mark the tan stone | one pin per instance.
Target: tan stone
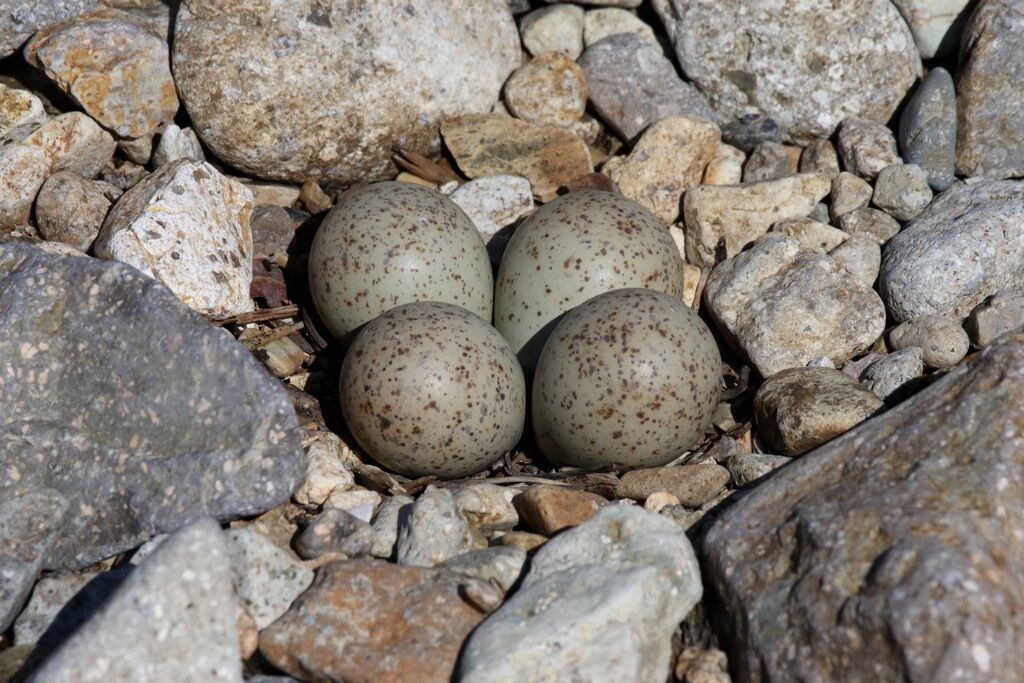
(693, 485)
(71, 208)
(819, 156)
(726, 167)
(20, 113)
(550, 90)
(74, 142)
(812, 234)
(549, 509)
(522, 539)
(849, 193)
(23, 168)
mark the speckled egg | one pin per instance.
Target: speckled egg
(629, 377)
(575, 247)
(393, 243)
(430, 388)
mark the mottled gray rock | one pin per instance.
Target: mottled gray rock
(749, 467)
(776, 57)
(61, 603)
(501, 565)
(692, 485)
(434, 530)
(385, 74)
(136, 446)
(927, 131)
(893, 377)
(858, 560)
(861, 257)
(878, 225)
(385, 525)
(599, 603)
(936, 24)
(902, 191)
(632, 85)
(71, 209)
(20, 19)
(995, 316)
(177, 143)
(943, 342)
(965, 246)
(553, 29)
(335, 531)
(849, 193)
(488, 507)
(266, 579)
(771, 160)
(866, 147)
(607, 21)
(173, 619)
(819, 156)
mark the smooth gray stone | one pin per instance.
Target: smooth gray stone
(927, 132)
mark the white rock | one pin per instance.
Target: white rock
(177, 143)
(21, 112)
(359, 502)
(494, 202)
(811, 234)
(74, 142)
(936, 24)
(326, 471)
(607, 21)
(23, 169)
(385, 526)
(488, 507)
(558, 28)
(861, 256)
(266, 579)
(726, 167)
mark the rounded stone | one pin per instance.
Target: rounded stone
(393, 243)
(549, 90)
(943, 341)
(630, 377)
(431, 389)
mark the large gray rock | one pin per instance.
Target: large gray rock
(20, 19)
(600, 603)
(927, 133)
(807, 65)
(291, 90)
(965, 246)
(173, 619)
(859, 560)
(136, 409)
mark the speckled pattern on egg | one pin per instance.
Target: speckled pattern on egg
(430, 388)
(630, 377)
(392, 243)
(576, 247)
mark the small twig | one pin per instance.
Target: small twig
(501, 480)
(261, 340)
(264, 315)
(421, 166)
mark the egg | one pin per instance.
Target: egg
(392, 243)
(430, 388)
(629, 377)
(573, 248)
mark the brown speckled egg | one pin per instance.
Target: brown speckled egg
(576, 247)
(430, 388)
(629, 377)
(392, 243)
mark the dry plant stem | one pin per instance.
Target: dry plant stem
(277, 333)
(421, 166)
(260, 316)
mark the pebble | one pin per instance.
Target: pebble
(819, 156)
(599, 603)
(742, 214)
(667, 160)
(549, 509)
(283, 357)
(995, 316)
(697, 665)
(902, 191)
(936, 24)
(811, 234)
(771, 160)
(178, 143)
(204, 432)
(633, 85)
(137, 150)
(526, 540)
(266, 579)
(894, 376)
(122, 49)
(799, 409)
(280, 524)
(71, 209)
(659, 500)
(488, 507)
(277, 194)
(74, 142)
(553, 28)
(849, 193)
(749, 130)
(783, 306)
(385, 525)
(726, 167)
(961, 249)
(776, 60)
(326, 471)
(61, 603)
(866, 147)
(494, 202)
(550, 90)
(495, 144)
(186, 225)
(23, 169)
(21, 112)
(693, 485)
(928, 129)
(335, 531)
(434, 530)
(501, 565)
(172, 619)
(19, 20)
(943, 342)
(358, 501)
(608, 21)
(746, 468)
(861, 256)
(872, 223)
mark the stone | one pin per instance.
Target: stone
(335, 532)
(633, 85)
(726, 167)
(608, 21)
(866, 147)
(187, 226)
(494, 202)
(359, 501)
(501, 565)
(74, 142)
(878, 225)
(71, 209)
(323, 90)
(548, 509)
(659, 500)
(943, 342)
(23, 169)
(811, 234)
(783, 306)
(178, 143)
(277, 194)
(853, 563)
(30, 521)
(928, 129)
(775, 59)
(902, 191)
(326, 471)
(819, 156)
(19, 20)
(367, 621)
(995, 316)
(488, 507)
(746, 468)
(936, 24)
(599, 603)
(691, 281)
(434, 530)
(693, 485)
(961, 249)
(172, 619)
(697, 665)
(894, 376)
(861, 256)
(556, 28)
(266, 579)
(61, 603)
(631, 4)
(801, 408)
(990, 136)
(667, 160)
(495, 144)
(550, 90)
(21, 112)
(122, 50)
(526, 540)
(771, 160)
(139, 447)
(283, 357)
(742, 214)
(749, 130)
(849, 193)
(137, 150)
(385, 525)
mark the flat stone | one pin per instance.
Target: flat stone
(19, 20)
(928, 129)
(878, 225)
(501, 565)
(853, 562)
(386, 523)
(692, 485)
(783, 306)
(771, 160)
(71, 209)
(74, 142)
(550, 90)
(488, 507)
(819, 156)
(335, 532)
(172, 619)
(549, 509)
(434, 530)
(138, 447)
(861, 256)
(812, 234)
(866, 147)
(599, 603)
(995, 316)
(368, 621)
(902, 191)
(556, 28)
(178, 143)
(725, 167)
(775, 59)
(23, 169)
(633, 85)
(359, 501)
(494, 202)
(849, 193)
(936, 24)
(943, 342)
(746, 468)
(265, 578)
(742, 214)
(187, 226)
(21, 112)
(894, 376)
(961, 249)
(526, 540)
(495, 144)
(608, 21)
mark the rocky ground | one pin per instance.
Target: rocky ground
(188, 491)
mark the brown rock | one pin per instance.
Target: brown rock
(549, 509)
(693, 485)
(771, 160)
(522, 539)
(71, 209)
(550, 90)
(819, 156)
